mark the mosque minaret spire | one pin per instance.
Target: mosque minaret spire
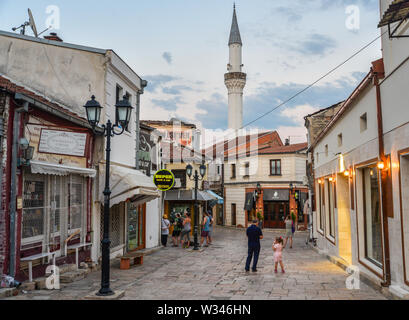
(235, 79)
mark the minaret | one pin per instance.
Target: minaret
(235, 79)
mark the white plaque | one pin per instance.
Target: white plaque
(62, 142)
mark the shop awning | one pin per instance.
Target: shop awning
(276, 195)
(127, 184)
(397, 11)
(39, 167)
(188, 195)
(219, 199)
(249, 204)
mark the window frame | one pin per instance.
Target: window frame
(276, 173)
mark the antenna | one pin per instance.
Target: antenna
(32, 23)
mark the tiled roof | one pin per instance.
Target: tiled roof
(166, 123)
(397, 11)
(14, 88)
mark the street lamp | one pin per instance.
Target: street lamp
(196, 178)
(123, 113)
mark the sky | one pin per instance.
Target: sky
(181, 48)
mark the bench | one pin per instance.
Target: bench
(76, 247)
(32, 258)
(131, 259)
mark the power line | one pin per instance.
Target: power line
(314, 83)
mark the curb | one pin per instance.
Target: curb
(363, 277)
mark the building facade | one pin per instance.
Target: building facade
(58, 193)
(360, 162)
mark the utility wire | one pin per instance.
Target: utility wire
(314, 83)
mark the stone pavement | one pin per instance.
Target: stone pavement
(217, 272)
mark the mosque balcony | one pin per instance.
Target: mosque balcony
(235, 76)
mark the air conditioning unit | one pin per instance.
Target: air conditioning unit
(178, 183)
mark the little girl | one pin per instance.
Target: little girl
(278, 257)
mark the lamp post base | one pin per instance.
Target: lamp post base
(105, 292)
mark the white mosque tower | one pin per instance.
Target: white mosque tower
(235, 79)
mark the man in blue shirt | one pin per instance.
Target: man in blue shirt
(254, 234)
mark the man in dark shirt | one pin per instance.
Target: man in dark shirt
(254, 235)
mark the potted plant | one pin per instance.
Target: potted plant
(260, 219)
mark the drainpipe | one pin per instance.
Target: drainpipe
(137, 122)
(13, 186)
(378, 72)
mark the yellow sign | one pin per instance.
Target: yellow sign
(164, 180)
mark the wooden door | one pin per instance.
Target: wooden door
(233, 214)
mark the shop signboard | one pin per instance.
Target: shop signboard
(164, 180)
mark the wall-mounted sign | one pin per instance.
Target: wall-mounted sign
(164, 180)
(62, 142)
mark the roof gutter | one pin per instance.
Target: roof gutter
(378, 72)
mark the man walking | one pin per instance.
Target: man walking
(254, 235)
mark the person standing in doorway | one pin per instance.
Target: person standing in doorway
(288, 231)
(206, 229)
(165, 230)
(254, 235)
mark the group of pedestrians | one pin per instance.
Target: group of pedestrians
(182, 227)
(254, 235)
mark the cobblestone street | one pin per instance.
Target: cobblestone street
(218, 273)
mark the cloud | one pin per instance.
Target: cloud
(168, 57)
(215, 112)
(290, 12)
(156, 81)
(168, 104)
(297, 113)
(315, 44)
(177, 89)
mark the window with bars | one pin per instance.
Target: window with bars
(34, 207)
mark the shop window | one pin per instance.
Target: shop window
(135, 227)
(330, 212)
(321, 215)
(34, 207)
(275, 167)
(75, 203)
(371, 210)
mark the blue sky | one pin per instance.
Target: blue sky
(180, 47)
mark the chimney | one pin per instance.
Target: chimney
(287, 141)
(53, 36)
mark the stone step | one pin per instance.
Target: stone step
(67, 268)
(72, 276)
(8, 292)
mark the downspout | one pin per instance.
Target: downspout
(13, 187)
(378, 72)
(144, 84)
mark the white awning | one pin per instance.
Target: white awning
(127, 184)
(59, 170)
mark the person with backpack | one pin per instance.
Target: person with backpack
(209, 237)
(178, 226)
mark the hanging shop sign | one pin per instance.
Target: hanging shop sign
(164, 180)
(62, 142)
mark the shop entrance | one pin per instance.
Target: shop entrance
(275, 213)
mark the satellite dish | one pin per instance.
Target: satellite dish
(32, 23)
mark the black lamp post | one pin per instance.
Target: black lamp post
(196, 178)
(123, 114)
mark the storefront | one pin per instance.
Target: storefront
(130, 191)
(276, 207)
(55, 194)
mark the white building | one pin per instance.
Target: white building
(361, 167)
(67, 75)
